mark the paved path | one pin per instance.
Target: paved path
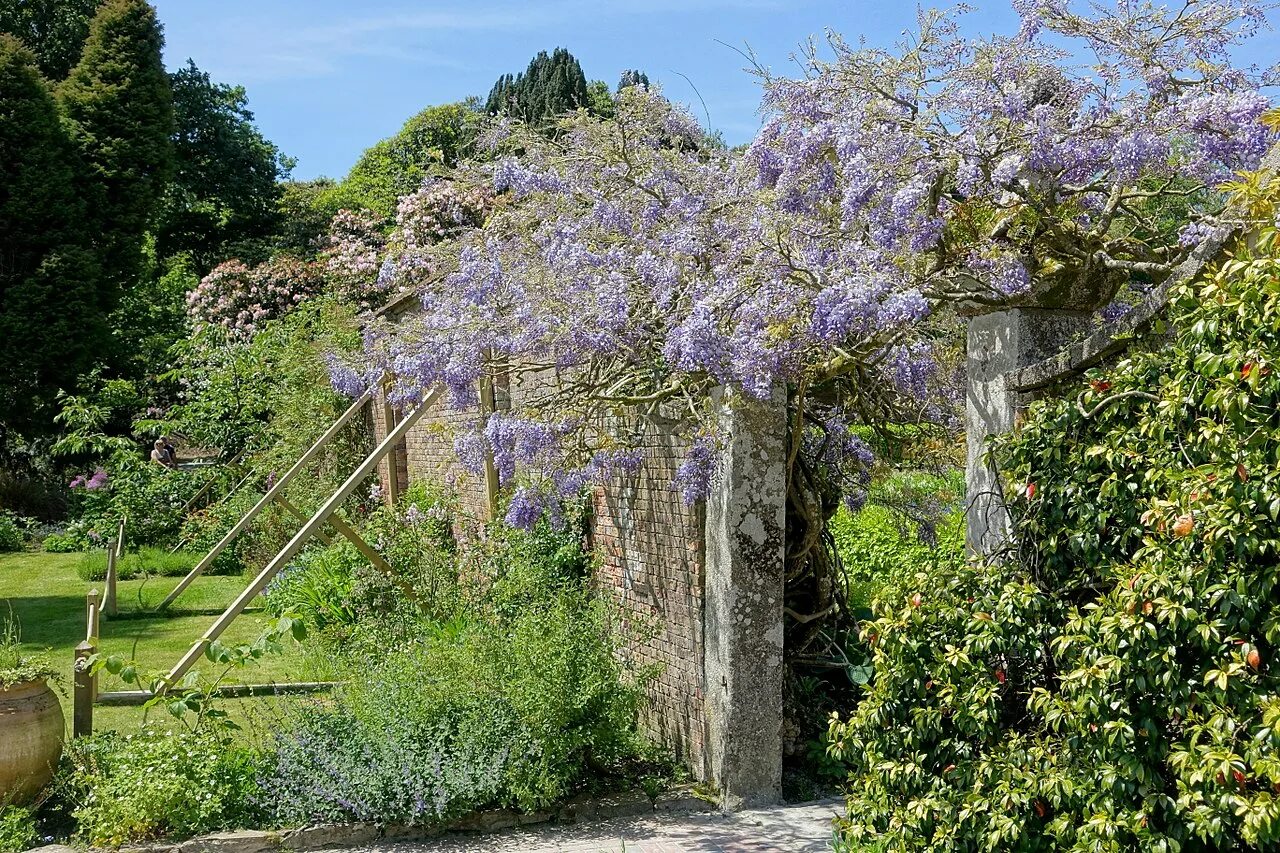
(785, 829)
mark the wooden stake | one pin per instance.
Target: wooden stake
(266, 499)
(113, 557)
(300, 538)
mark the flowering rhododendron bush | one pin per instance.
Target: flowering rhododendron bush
(243, 298)
(1112, 685)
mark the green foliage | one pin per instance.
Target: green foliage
(119, 108)
(317, 586)
(158, 783)
(225, 188)
(881, 550)
(1111, 688)
(54, 30)
(64, 543)
(551, 86)
(16, 667)
(504, 690)
(430, 143)
(147, 561)
(305, 210)
(18, 830)
(149, 496)
(11, 535)
(51, 310)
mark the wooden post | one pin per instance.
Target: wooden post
(113, 558)
(85, 683)
(300, 538)
(84, 688)
(392, 497)
(488, 405)
(266, 499)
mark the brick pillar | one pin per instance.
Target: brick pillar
(745, 528)
(999, 343)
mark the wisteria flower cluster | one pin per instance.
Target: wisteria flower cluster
(242, 298)
(634, 266)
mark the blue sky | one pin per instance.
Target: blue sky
(328, 78)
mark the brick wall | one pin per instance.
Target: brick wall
(649, 549)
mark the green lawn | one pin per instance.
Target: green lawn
(47, 599)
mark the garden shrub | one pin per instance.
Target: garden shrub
(64, 543)
(317, 586)
(150, 496)
(18, 830)
(11, 535)
(509, 695)
(158, 783)
(1110, 685)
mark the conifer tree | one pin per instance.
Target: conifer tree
(119, 108)
(54, 30)
(551, 86)
(51, 311)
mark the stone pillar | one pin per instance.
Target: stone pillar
(998, 343)
(745, 528)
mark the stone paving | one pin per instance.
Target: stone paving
(784, 829)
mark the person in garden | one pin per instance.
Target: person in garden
(160, 454)
(170, 451)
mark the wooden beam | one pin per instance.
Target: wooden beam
(127, 698)
(376, 559)
(300, 538)
(394, 486)
(109, 597)
(297, 513)
(267, 498)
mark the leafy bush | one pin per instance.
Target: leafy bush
(64, 543)
(150, 496)
(509, 695)
(11, 536)
(1112, 688)
(157, 783)
(317, 586)
(473, 714)
(17, 829)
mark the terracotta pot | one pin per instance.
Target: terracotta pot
(31, 732)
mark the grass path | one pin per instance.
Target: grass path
(47, 598)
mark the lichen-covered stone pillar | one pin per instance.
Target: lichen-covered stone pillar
(745, 528)
(1001, 342)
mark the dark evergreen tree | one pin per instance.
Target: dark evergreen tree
(225, 190)
(54, 30)
(632, 77)
(551, 86)
(51, 310)
(119, 108)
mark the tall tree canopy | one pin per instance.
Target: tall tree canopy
(432, 141)
(119, 108)
(225, 185)
(54, 30)
(551, 86)
(51, 313)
